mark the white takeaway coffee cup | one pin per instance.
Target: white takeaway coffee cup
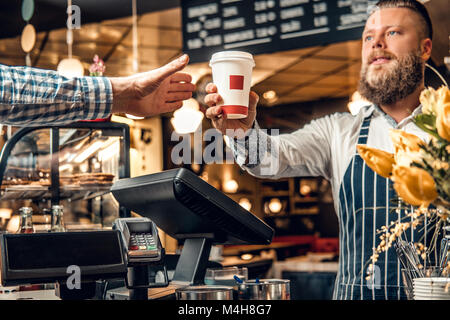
(232, 75)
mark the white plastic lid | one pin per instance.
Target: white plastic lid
(231, 55)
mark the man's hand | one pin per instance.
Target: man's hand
(153, 92)
(219, 120)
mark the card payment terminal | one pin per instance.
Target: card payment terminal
(140, 239)
(145, 256)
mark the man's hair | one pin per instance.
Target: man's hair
(416, 6)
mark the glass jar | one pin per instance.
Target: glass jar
(47, 219)
(26, 220)
(57, 219)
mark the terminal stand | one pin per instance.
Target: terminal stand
(85, 291)
(191, 266)
(138, 280)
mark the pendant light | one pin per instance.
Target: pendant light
(188, 118)
(135, 50)
(28, 37)
(135, 38)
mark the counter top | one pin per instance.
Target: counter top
(240, 249)
(307, 263)
(30, 295)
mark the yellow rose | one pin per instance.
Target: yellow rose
(428, 100)
(406, 158)
(437, 102)
(443, 120)
(414, 185)
(404, 141)
(431, 99)
(443, 95)
(378, 160)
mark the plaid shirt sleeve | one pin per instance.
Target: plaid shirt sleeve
(32, 96)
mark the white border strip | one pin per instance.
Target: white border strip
(351, 26)
(303, 33)
(246, 43)
(229, 1)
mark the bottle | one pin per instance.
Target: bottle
(57, 219)
(26, 221)
(47, 214)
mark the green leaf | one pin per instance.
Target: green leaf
(427, 119)
(427, 122)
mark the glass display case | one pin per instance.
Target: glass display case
(73, 166)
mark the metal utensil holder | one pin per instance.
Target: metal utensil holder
(265, 289)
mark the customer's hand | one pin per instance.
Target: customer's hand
(219, 119)
(153, 92)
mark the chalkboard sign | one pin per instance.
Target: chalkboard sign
(265, 26)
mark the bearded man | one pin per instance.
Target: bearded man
(396, 45)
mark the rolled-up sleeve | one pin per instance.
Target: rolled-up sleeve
(32, 96)
(305, 152)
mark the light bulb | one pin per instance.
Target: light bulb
(188, 118)
(230, 186)
(270, 95)
(70, 68)
(275, 205)
(245, 203)
(130, 116)
(305, 190)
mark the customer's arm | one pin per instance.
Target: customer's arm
(32, 96)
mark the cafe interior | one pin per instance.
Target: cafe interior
(81, 167)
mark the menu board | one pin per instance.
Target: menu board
(265, 26)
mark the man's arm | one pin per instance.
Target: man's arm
(31, 96)
(305, 152)
(153, 92)
(266, 154)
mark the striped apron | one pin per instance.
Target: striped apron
(366, 204)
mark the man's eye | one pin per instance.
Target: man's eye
(368, 38)
(391, 33)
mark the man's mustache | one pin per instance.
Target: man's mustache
(380, 53)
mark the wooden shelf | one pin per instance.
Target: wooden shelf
(279, 215)
(304, 212)
(305, 200)
(275, 194)
(35, 192)
(239, 193)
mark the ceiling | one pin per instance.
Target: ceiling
(51, 14)
(309, 74)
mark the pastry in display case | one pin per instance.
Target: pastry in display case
(72, 167)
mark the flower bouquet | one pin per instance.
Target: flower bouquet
(420, 172)
(97, 68)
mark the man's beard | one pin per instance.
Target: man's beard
(395, 82)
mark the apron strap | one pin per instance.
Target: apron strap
(364, 131)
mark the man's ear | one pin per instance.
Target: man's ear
(425, 47)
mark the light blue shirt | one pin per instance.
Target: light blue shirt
(32, 96)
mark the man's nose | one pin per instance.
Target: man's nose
(379, 42)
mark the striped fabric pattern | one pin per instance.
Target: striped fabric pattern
(32, 96)
(250, 147)
(365, 206)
